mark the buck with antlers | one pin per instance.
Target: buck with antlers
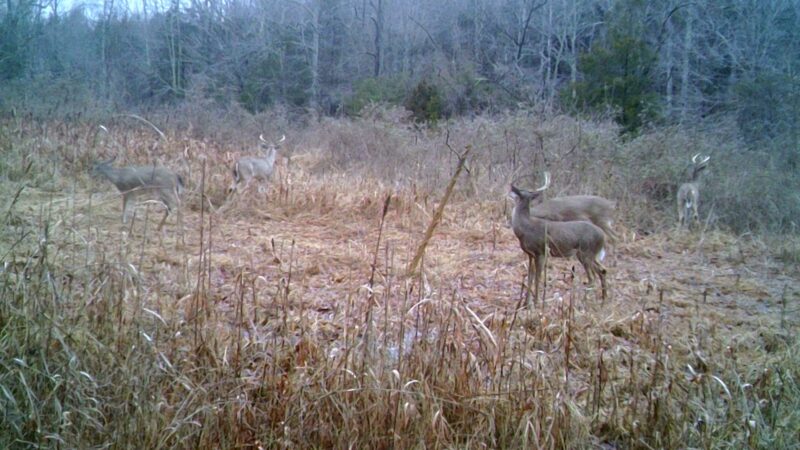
(689, 193)
(538, 236)
(153, 182)
(251, 167)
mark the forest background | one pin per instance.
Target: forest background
(727, 70)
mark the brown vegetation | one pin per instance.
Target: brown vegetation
(285, 319)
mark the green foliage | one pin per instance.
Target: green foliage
(617, 73)
(425, 103)
(389, 90)
(467, 93)
(768, 108)
(254, 93)
(16, 28)
(618, 69)
(294, 79)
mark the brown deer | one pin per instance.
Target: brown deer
(537, 236)
(590, 208)
(689, 193)
(251, 167)
(153, 182)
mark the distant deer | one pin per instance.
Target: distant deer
(689, 193)
(249, 167)
(154, 182)
(563, 239)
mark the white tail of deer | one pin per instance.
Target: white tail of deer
(150, 182)
(689, 193)
(259, 168)
(562, 239)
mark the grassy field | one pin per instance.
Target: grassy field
(288, 319)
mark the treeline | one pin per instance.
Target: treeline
(643, 61)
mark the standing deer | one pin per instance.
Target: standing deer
(689, 193)
(563, 239)
(154, 182)
(249, 167)
(589, 208)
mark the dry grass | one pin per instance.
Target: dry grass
(286, 320)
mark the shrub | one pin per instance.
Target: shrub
(425, 103)
(389, 90)
(618, 74)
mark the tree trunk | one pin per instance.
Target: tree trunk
(377, 21)
(668, 92)
(685, 67)
(315, 11)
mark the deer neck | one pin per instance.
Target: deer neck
(522, 213)
(110, 172)
(530, 231)
(270, 156)
(696, 174)
(521, 219)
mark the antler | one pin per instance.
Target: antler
(546, 182)
(261, 137)
(703, 161)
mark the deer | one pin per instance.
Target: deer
(689, 193)
(564, 239)
(154, 182)
(589, 208)
(247, 168)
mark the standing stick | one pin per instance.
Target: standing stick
(437, 216)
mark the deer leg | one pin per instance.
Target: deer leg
(539, 263)
(127, 203)
(606, 226)
(587, 267)
(528, 282)
(166, 213)
(601, 273)
(592, 267)
(170, 200)
(164, 219)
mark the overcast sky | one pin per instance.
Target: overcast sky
(93, 7)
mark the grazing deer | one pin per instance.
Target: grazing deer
(157, 183)
(590, 208)
(689, 193)
(563, 239)
(249, 167)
